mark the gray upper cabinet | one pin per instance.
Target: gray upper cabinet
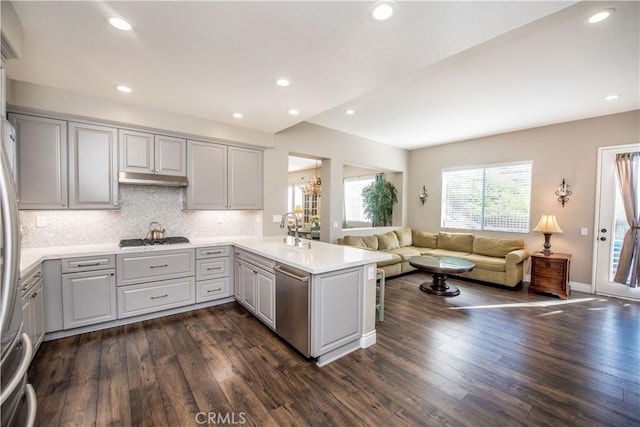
(245, 178)
(93, 167)
(41, 162)
(144, 152)
(223, 177)
(207, 173)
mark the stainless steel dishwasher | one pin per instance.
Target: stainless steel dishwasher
(292, 307)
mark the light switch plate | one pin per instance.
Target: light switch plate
(371, 273)
(277, 218)
(42, 221)
(584, 231)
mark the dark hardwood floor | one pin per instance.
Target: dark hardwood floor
(489, 357)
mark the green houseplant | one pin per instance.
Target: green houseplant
(378, 199)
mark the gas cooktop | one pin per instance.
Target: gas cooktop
(129, 243)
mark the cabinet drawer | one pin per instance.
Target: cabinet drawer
(149, 267)
(551, 274)
(208, 290)
(146, 298)
(259, 261)
(71, 265)
(547, 282)
(212, 252)
(212, 268)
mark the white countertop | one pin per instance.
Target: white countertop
(320, 258)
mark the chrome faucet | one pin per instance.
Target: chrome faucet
(296, 239)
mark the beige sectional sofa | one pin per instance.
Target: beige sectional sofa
(499, 261)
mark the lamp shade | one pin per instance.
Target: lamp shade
(297, 209)
(548, 225)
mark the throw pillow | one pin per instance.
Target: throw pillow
(404, 237)
(388, 241)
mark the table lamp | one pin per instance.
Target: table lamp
(547, 226)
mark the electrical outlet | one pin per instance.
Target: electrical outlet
(584, 231)
(371, 273)
(335, 224)
(41, 221)
(220, 219)
(277, 218)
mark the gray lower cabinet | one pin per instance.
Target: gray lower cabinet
(93, 167)
(33, 306)
(150, 282)
(143, 298)
(88, 297)
(41, 161)
(255, 285)
(88, 290)
(336, 309)
(213, 273)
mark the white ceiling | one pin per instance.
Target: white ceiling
(437, 72)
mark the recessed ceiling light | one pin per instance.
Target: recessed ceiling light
(382, 10)
(283, 82)
(237, 115)
(124, 89)
(612, 97)
(349, 111)
(294, 112)
(600, 16)
(119, 23)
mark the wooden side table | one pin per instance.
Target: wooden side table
(550, 274)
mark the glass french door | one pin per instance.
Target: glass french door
(611, 225)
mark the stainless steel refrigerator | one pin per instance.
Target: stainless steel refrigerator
(17, 397)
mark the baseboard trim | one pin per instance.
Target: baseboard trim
(368, 339)
(581, 287)
(337, 353)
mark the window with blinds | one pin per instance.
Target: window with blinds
(496, 198)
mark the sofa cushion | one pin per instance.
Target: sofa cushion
(444, 252)
(404, 237)
(461, 242)
(388, 241)
(369, 242)
(421, 250)
(395, 259)
(424, 239)
(496, 247)
(490, 263)
(405, 253)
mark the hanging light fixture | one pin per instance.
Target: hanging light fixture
(313, 187)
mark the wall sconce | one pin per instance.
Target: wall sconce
(423, 195)
(563, 192)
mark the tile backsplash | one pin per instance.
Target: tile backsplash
(139, 206)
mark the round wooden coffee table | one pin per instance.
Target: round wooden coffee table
(440, 266)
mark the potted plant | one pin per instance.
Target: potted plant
(378, 199)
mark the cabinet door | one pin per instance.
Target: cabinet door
(88, 298)
(136, 151)
(37, 315)
(170, 156)
(42, 162)
(238, 276)
(207, 173)
(245, 178)
(266, 298)
(93, 167)
(249, 282)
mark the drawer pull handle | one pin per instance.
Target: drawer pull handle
(34, 295)
(214, 290)
(159, 266)
(212, 252)
(90, 264)
(213, 268)
(161, 296)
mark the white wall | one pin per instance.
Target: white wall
(567, 150)
(335, 149)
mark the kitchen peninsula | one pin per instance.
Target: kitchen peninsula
(90, 287)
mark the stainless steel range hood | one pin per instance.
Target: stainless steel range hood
(151, 179)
